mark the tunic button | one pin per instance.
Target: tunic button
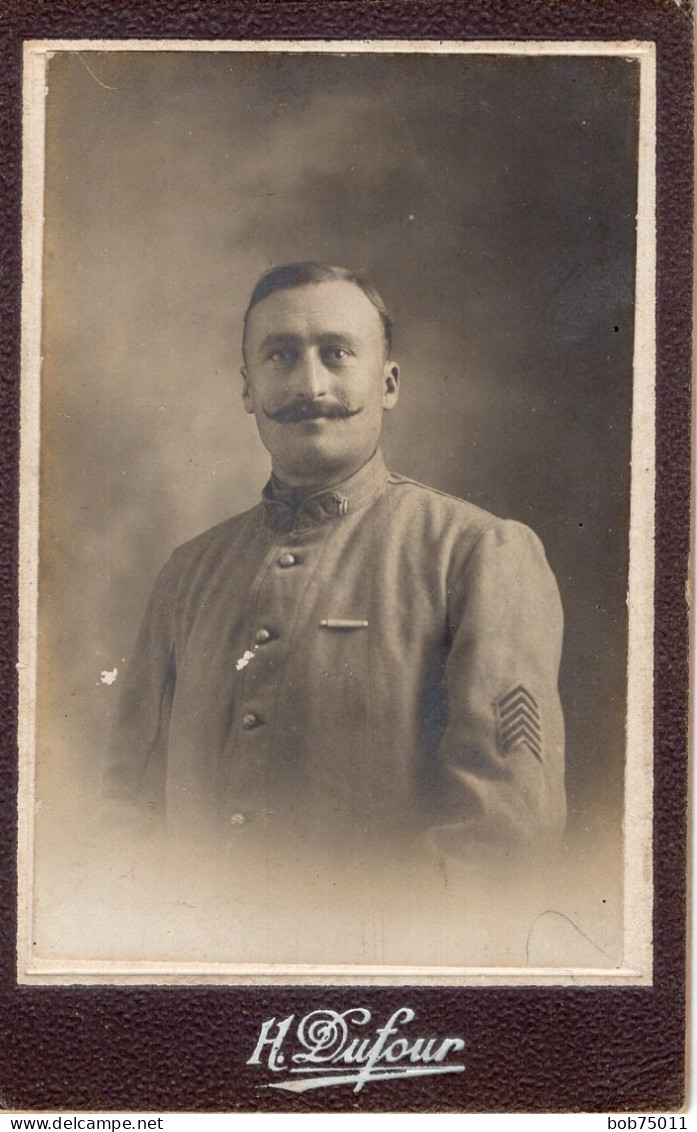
(262, 636)
(250, 721)
(287, 560)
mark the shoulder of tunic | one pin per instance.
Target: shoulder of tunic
(462, 524)
(219, 536)
(449, 508)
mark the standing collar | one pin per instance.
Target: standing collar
(287, 507)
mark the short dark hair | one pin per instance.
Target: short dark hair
(290, 275)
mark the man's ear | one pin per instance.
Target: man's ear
(390, 392)
(246, 392)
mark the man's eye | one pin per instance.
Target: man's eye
(337, 354)
(282, 357)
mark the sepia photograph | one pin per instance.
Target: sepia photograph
(337, 513)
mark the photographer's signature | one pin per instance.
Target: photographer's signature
(326, 1048)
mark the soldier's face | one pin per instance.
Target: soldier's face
(317, 379)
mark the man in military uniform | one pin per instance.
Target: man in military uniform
(358, 660)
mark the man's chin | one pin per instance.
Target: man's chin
(320, 461)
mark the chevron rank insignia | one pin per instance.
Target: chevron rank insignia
(518, 717)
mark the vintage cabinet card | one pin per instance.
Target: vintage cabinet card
(349, 397)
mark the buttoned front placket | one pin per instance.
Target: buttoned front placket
(257, 772)
(262, 767)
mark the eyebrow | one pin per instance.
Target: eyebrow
(279, 340)
(290, 339)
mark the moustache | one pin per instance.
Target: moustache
(310, 411)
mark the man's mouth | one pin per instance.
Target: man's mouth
(294, 414)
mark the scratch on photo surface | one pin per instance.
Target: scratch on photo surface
(245, 659)
(562, 916)
(91, 72)
(108, 676)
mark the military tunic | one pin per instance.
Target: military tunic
(378, 662)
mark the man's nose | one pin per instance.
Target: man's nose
(309, 377)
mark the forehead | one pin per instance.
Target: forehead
(316, 308)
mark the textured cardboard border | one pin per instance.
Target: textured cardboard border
(533, 1049)
(635, 967)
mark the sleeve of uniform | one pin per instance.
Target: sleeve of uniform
(501, 757)
(135, 765)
